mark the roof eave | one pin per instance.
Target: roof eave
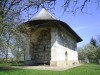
(65, 25)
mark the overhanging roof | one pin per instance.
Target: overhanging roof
(44, 17)
(65, 25)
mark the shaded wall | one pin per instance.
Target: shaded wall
(41, 50)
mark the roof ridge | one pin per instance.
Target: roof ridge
(44, 15)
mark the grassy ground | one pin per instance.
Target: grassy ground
(87, 69)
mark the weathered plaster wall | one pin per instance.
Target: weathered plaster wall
(40, 46)
(53, 61)
(27, 52)
(51, 45)
(57, 53)
(41, 50)
(63, 48)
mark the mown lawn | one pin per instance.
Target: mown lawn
(86, 69)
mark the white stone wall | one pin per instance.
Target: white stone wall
(59, 49)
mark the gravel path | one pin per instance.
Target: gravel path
(46, 67)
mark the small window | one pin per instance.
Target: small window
(66, 55)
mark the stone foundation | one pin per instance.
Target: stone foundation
(53, 63)
(57, 63)
(29, 62)
(72, 62)
(61, 63)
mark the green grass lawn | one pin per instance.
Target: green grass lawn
(86, 69)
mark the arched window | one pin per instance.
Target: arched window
(66, 55)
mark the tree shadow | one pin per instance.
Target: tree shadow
(7, 68)
(17, 65)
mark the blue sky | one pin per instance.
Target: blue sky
(86, 25)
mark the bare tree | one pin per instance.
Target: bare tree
(11, 11)
(10, 18)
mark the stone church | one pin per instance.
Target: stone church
(49, 41)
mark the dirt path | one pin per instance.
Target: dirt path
(45, 67)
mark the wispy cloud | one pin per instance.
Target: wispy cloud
(85, 27)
